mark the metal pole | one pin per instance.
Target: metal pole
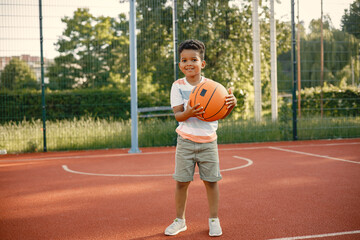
(294, 99)
(133, 79)
(175, 38)
(274, 90)
(42, 78)
(352, 73)
(321, 62)
(256, 60)
(298, 61)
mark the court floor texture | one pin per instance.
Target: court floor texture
(275, 190)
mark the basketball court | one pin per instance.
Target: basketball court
(276, 190)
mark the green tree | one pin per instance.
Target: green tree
(284, 66)
(226, 29)
(94, 50)
(119, 63)
(18, 75)
(155, 51)
(350, 21)
(87, 52)
(340, 56)
(340, 48)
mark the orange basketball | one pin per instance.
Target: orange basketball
(211, 95)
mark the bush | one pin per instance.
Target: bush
(70, 104)
(64, 104)
(336, 102)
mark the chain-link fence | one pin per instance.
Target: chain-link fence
(87, 71)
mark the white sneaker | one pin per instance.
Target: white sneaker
(176, 227)
(215, 228)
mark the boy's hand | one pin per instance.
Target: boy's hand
(194, 111)
(231, 102)
(230, 99)
(182, 114)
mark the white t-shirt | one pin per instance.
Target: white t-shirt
(193, 128)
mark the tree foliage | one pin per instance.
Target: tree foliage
(340, 48)
(94, 50)
(341, 57)
(350, 21)
(18, 75)
(89, 48)
(154, 43)
(226, 29)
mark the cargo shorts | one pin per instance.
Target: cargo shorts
(189, 154)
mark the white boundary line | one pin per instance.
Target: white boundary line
(113, 175)
(66, 168)
(149, 153)
(84, 156)
(236, 168)
(313, 155)
(319, 235)
(293, 146)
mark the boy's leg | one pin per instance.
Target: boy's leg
(181, 194)
(209, 170)
(179, 224)
(212, 190)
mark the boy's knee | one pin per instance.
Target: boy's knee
(210, 184)
(182, 185)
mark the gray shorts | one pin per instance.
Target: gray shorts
(205, 155)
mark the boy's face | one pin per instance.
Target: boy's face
(191, 63)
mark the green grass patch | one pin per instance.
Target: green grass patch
(328, 128)
(92, 133)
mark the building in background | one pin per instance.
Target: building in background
(33, 62)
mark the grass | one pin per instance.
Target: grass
(329, 128)
(91, 133)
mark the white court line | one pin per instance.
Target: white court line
(294, 146)
(113, 175)
(149, 153)
(313, 155)
(319, 235)
(243, 166)
(66, 168)
(83, 156)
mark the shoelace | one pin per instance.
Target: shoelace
(175, 223)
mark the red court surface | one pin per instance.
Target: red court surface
(278, 190)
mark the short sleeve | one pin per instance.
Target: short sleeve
(176, 98)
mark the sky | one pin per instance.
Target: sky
(311, 9)
(19, 31)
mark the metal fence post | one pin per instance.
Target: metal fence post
(133, 79)
(256, 60)
(273, 64)
(175, 37)
(42, 78)
(294, 68)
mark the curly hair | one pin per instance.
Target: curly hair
(194, 45)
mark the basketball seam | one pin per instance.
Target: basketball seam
(192, 93)
(211, 97)
(217, 112)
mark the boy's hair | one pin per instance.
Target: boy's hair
(194, 45)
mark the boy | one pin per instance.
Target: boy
(196, 139)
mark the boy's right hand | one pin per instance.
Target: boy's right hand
(195, 111)
(182, 114)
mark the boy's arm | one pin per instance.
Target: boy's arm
(181, 115)
(230, 102)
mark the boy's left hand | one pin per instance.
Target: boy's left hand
(230, 99)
